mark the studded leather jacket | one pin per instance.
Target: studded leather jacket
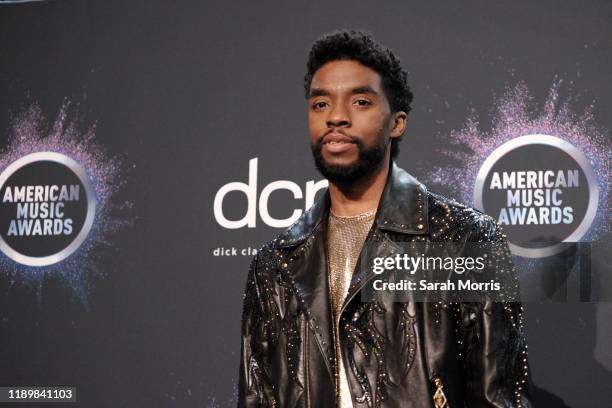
(396, 354)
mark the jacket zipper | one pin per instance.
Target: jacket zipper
(307, 377)
(335, 334)
(439, 398)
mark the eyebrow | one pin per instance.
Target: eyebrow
(364, 89)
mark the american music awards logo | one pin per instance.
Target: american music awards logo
(57, 190)
(47, 208)
(542, 190)
(543, 175)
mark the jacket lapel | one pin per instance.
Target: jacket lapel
(402, 209)
(302, 249)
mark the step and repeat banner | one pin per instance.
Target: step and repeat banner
(148, 149)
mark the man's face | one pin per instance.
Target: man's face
(350, 121)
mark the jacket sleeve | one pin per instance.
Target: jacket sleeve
(496, 364)
(254, 387)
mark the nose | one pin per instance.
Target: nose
(338, 116)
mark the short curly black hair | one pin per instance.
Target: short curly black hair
(360, 46)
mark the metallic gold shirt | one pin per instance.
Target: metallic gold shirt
(345, 238)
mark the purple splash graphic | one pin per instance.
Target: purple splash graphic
(30, 133)
(516, 115)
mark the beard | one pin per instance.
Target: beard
(367, 163)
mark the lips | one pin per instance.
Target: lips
(336, 143)
(336, 138)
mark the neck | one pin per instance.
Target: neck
(361, 196)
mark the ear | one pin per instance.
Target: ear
(398, 123)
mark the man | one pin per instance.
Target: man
(308, 337)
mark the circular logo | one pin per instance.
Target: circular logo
(47, 208)
(542, 190)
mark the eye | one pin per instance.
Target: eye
(363, 102)
(319, 105)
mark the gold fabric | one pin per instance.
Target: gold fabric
(345, 238)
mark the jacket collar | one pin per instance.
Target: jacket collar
(402, 209)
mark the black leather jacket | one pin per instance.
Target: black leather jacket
(395, 354)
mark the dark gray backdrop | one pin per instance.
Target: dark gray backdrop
(187, 93)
